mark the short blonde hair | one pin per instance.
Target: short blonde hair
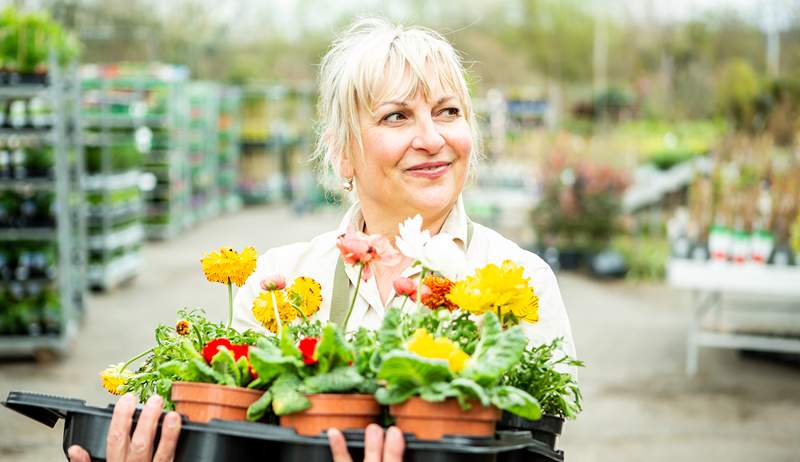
(355, 73)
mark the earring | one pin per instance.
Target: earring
(347, 184)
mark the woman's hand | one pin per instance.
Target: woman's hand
(376, 448)
(121, 447)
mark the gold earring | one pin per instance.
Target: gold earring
(347, 184)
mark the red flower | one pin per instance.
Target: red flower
(308, 346)
(212, 348)
(405, 286)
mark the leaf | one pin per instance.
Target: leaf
(496, 352)
(288, 348)
(257, 410)
(517, 402)
(439, 391)
(257, 384)
(332, 351)
(243, 366)
(270, 363)
(286, 396)
(390, 335)
(394, 395)
(173, 368)
(224, 364)
(407, 370)
(199, 371)
(339, 380)
(470, 390)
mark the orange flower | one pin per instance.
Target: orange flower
(440, 288)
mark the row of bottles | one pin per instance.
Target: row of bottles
(27, 209)
(27, 261)
(30, 309)
(25, 113)
(20, 160)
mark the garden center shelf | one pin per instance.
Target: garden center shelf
(219, 440)
(770, 322)
(42, 216)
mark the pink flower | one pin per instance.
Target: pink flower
(405, 286)
(358, 248)
(273, 282)
(424, 293)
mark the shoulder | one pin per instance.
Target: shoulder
(291, 258)
(493, 247)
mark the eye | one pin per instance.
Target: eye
(394, 117)
(451, 111)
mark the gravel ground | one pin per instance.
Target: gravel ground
(639, 405)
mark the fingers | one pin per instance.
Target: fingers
(394, 446)
(119, 430)
(78, 454)
(170, 429)
(338, 446)
(373, 443)
(141, 447)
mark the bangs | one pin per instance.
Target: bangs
(406, 66)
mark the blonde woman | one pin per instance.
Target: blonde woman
(397, 126)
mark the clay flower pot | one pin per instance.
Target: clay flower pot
(333, 410)
(201, 402)
(431, 421)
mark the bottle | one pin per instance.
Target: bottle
(17, 114)
(5, 164)
(23, 270)
(19, 165)
(39, 112)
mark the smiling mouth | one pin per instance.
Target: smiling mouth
(428, 167)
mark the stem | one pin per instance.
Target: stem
(419, 287)
(276, 313)
(230, 303)
(353, 302)
(403, 305)
(200, 340)
(125, 366)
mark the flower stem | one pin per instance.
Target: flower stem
(125, 366)
(276, 313)
(419, 287)
(353, 302)
(230, 303)
(403, 305)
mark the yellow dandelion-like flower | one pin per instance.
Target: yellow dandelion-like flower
(501, 289)
(183, 327)
(306, 294)
(114, 377)
(265, 314)
(226, 265)
(424, 344)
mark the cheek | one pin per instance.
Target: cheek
(460, 140)
(383, 149)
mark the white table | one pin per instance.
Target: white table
(714, 325)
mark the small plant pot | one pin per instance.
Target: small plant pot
(432, 421)
(334, 410)
(547, 429)
(201, 402)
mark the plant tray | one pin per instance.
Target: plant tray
(87, 426)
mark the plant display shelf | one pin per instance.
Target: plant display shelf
(770, 323)
(42, 216)
(149, 100)
(230, 127)
(204, 106)
(87, 426)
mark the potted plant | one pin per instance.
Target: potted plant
(541, 373)
(443, 379)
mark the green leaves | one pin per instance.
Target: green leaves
(332, 350)
(257, 410)
(517, 402)
(407, 370)
(269, 363)
(286, 397)
(225, 366)
(339, 380)
(497, 352)
(390, 335)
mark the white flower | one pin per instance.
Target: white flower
(438, 253)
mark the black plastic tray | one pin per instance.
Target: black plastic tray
(547, 429)
(87, 426)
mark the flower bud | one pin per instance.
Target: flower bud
(405, 286)
(182, 327)
(273, 282)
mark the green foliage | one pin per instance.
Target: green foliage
(27, 38)
(496, 352)
(645, 257)
(557, 392)
(736, 91)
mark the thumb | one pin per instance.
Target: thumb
(78, 454)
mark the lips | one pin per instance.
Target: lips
(429, 170)
(428, 166)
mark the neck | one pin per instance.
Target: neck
(377, 221)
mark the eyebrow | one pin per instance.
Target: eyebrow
(441, 100)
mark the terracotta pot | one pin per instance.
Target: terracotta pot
(334, 410)
(201, 402)
(432, 421)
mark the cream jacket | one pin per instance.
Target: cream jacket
(317, 259)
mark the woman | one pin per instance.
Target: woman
(398, 127)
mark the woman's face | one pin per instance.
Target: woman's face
(416, 154)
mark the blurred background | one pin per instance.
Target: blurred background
(648, 151)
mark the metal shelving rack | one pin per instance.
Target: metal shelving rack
(45, 297)
(229, 130)
(203, 146)
(113, 121)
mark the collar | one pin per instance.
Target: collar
(455, 224)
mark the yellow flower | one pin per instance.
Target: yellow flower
(114, 377)
(182, 327)
(265, 314)
(494, 288)
(425, 345)
(226, 265)
(306, 294)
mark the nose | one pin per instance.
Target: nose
(427, 137)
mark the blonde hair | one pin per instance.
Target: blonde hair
(374, 60)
